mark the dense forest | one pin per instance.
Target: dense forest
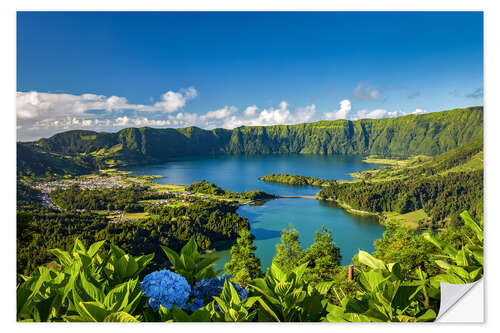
(296, 180)
(206, 187)
(104, 199)
(429, 134)
(212, 223)
(442, 186)
(440, 197)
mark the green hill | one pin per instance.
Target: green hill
(430, 191)
(428, 134)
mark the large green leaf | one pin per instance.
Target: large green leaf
(94, 292)
(370, 261)
(190, 249)
(65, 259)
(469, 221)
(95, 247)
(173, 257)
(121, 317)
(93, 311)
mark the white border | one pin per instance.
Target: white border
(8, 137)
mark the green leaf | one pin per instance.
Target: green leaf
(142, 261)
(64, 257)
(443, 264)
(94, 311)
(323, 287)
(267, 309)
(429, 315)
(281, 288)
(276, 273)
(200, 315)
(95, 247)
(121, 317)
(370, 261)
(116, 251)
(173, 257)
(469, 221)
(300, 270)
(190, 249)
(91, 290)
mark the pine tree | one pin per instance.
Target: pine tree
(323, 257)
(289, 253)
(244, 265)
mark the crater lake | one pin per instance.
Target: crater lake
(240, 173)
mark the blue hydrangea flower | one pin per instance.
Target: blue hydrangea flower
(195, 304)
(204, 289)
(165, 288)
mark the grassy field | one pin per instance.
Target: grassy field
(387, 161)
(131, 216)
(114, 172)
(475, 163)
(411, 219)
(135, 216)
(162, 188)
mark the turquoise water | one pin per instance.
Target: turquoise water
(240, 173)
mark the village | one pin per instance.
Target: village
(176, 194)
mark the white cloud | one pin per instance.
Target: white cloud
(221, 113)
(121, 121)
(47, 113)
(377, 113)
(366, 92)
(250, 111)
(271, 116)
(419, 111)
(342, 113)
(173, 101)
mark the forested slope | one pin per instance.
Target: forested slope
(442, 187)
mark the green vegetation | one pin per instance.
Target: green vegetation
(163, 226)
(26, 196)
(295, 180)
(33, 161)
(424, 194)
(95, 285)
(244, 265)
(429, 134)
(191, 264)
(412, 219)
(205, 187)
(388, 161)
(212, 223)
(103, 199)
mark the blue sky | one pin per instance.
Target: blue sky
(106, 71)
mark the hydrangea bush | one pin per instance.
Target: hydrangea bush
(206, 288)
(166, 288)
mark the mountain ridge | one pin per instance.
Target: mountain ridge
(429, 134)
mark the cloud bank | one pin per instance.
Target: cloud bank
(44, 114)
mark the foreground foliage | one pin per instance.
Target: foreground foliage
(96, 285)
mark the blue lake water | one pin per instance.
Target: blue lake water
(240, 173)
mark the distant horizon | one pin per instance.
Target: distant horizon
(105, 71)
(230, 129)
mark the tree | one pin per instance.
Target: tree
(403, 245)
(289, 253)
(244, 265)
(322, 257)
